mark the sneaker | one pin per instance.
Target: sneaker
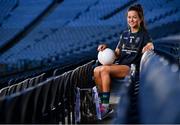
(105, 111)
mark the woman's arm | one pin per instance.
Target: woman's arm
(117, 52)
(149, 46)
(101, 47)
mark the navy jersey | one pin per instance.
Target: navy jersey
(131, 45)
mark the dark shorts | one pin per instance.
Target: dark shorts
(122, 64)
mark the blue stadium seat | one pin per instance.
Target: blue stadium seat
(159, 92)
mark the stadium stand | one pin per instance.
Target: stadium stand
(20, 15)
(36, 50)
(7, 7)
(48, 47)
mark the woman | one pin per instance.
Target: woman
(132, 44)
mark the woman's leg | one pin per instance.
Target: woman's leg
(111, 71)
(103, 75)
(97, 78)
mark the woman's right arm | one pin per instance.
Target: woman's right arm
(101, 47)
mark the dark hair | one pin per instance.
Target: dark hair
(138, 8)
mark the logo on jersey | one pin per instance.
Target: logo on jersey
(126, 38)
(137, 40)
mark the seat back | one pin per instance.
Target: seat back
(4, 91)
(12, 89)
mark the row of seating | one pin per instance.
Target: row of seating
(168, 48)
(150, 5)
(49, 101)
(7, 7)
(167, 29)
(24, 14)
(17, 87)
(37, 51)
(159, 90)
(40, 113)
(162, 14)
(21, 107)
(102, 8)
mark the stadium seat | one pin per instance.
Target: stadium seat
(123, 105)
(12, 108)
(12, 89)
(2, 109)
(40, 101)
(32, 82)
(159, 92)
(26, 105)
(59, 101)
(22, 85)
(4, 91)
(67, 96)
(27, 115)
(52, 103)
(36, 80)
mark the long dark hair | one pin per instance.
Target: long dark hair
(138, 8)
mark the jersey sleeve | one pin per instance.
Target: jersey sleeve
(147, 39)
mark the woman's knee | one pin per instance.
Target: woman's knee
(105, 69)
(101, 69)
(96, 71)
(126, 70)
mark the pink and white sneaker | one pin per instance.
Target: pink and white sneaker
(106, 111)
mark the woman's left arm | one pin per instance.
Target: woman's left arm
(149, 46)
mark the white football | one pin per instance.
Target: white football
(107, 56)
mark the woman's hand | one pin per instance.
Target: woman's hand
(148, 47)
(101, 47)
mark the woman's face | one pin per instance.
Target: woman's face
(133, 19)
